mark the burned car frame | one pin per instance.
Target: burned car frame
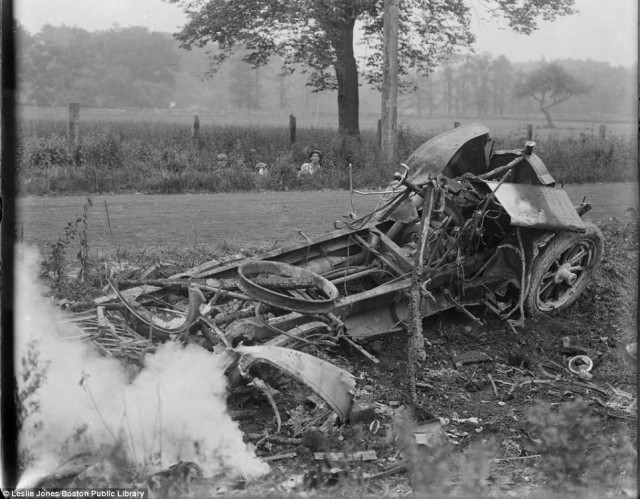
(472, 226)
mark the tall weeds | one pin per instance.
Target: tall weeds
(76, 229)
(161, 158)
(33, 374)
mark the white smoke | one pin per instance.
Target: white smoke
(173, 410)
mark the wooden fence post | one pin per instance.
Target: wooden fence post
(73, 125)
(456, 124)
(292, 129)
(530, 132)
(603, 132)
(195, 131)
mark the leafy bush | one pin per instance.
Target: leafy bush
(589, 159)
(282, 172)
(103, 149)
(575, 451)
(32, 375)
(162, 157)
(37, 153)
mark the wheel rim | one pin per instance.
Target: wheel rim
(560, 284)
(324, 292)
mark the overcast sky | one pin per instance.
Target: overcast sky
(603, 30)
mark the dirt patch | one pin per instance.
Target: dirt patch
(238, 219)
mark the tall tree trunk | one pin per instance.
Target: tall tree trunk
(547, 115)
(389, 108)
(463, 87)
(256, 90)
(448, 90)
(419, 102)
(347, 76)
(281, 82)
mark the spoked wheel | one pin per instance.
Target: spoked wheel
(285, 286)
(564, 270)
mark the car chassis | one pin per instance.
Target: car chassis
(464, 226)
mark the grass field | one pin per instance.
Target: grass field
(310, 119)
(236, 219)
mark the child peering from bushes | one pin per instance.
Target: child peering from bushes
(313, 166)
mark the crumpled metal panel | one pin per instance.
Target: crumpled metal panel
(371, 323)
(164, 329)
(451, 153)
(531, 170)
(537, 206)
(537, 169)
(130, 294)
(335, 385)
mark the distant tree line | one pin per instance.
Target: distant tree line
(119, 67)
(137, 68)
(482, 85)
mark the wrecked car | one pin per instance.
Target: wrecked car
(478, 227)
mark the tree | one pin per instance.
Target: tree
(244, 85)
(463, 77)
(422, 99)
(549, 85)
(502, 76)
(481, 69)
(112, 68)
(57, 57)
(320, 35)
(136, 68)
(447, 81)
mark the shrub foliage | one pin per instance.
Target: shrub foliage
(576, 452)
(163, 158)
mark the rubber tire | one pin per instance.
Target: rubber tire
(560, 243)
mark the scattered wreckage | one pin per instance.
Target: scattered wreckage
(470, 225)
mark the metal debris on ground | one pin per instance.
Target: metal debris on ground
(632, 350)
(277, 457)
(495, 220)
(430, 434)
(367, 455)
(621, 403)
(471, 357)
(582, 366)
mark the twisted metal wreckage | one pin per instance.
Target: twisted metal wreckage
(464, 226)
